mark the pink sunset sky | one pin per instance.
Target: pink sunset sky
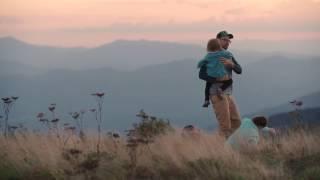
(93, 22)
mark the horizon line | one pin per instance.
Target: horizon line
(146, 40)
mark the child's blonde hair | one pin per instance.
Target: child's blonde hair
(214, 45)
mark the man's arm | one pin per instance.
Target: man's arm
(232, 64)
(236, 67)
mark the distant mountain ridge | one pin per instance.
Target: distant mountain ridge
(121, 54)
(159, 80)
(309, 116)
(170, 90)
(276, 78)
(309, 101)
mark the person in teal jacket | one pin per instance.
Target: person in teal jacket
(214, 69)
(248, 132)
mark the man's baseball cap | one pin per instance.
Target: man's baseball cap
(224, 34)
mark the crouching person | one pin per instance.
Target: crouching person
(190, 131)
(268, 133)
(248, 132)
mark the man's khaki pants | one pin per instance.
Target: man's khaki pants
(227, 114)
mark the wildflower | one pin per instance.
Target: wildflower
(98, 94)
(299, 103)
(190, 131)
(296, 103)
(142, 114)
(131, 133)
(75, 151)
(71, 128)
(115, 135)
(75, 115)
(43, 120)
(55, 120)
(5, 99)
(8, 102)
(52, 108)
(14, 97)
(189, 127)
(293, 102)
(40, 115)
(13, 127)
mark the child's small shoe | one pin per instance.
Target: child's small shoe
(206, 103)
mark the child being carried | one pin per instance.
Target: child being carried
(212, 69)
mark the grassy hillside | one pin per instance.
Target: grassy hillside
(172, 155)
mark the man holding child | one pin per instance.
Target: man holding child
(219, 86)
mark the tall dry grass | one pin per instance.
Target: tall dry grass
(294, 155)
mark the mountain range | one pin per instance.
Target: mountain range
(162, 81)
(308, 116)
(120, 55)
